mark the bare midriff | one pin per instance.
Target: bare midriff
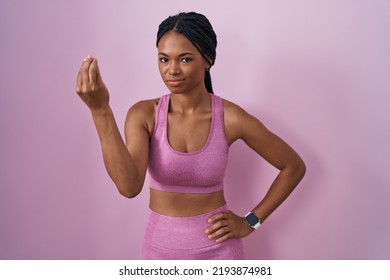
(184, 204)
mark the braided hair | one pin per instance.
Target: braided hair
(198, 30)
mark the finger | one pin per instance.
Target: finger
(78, 83)
(84, 70)
(216, 226)
(224, 238)
(218, 216)
(218, 233)
(93, 70)
(98, 76)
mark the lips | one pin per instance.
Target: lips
(175, 82)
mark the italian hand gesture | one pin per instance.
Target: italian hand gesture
(90, 86)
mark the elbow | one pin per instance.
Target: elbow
(128, 194)
(300, 169)
(295, 170)
(129, 191)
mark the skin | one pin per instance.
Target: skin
(182, 69)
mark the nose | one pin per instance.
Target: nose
(174, 68)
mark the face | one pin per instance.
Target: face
(181, 65)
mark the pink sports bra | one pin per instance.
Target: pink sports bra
(201, 171)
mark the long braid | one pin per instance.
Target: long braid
(198, 30)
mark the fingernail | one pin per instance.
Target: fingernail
(206, 231)
(209, 221)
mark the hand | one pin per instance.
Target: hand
(90, 86)
(227, 225)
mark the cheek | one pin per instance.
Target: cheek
(161, 70)
(197, 74)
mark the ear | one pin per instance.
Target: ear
(206, 64)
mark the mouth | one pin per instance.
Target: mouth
(175, 82)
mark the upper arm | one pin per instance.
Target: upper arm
(241, 125)
(138, 129)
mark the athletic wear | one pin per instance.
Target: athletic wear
(183, 238)
(201, 171)
(196, 172)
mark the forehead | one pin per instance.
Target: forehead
(176, 43)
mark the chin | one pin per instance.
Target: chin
(175, 90)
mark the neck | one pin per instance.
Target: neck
(189, 103)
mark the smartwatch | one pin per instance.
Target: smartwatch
(252, 220)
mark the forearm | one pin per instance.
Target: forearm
(226, 225)
(117, 160)
(281, 188)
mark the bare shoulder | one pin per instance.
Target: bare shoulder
(142, 114)
(239, 123)
(232, 111)
(144, 107)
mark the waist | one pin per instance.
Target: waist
(185, 204)
(180, 232)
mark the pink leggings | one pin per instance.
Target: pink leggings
(183, 238)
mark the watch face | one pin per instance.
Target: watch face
(252, 219)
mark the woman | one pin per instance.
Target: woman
(183, 140)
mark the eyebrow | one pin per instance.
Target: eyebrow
(180, 55)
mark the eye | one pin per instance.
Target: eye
(186, 59)
(163, 59)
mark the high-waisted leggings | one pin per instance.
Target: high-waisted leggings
(184, 238)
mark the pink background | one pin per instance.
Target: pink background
(315, 72)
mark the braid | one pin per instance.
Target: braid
(198, 30)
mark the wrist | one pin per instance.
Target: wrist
(101, 111)
(252, 220)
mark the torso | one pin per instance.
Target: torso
(185, 134)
